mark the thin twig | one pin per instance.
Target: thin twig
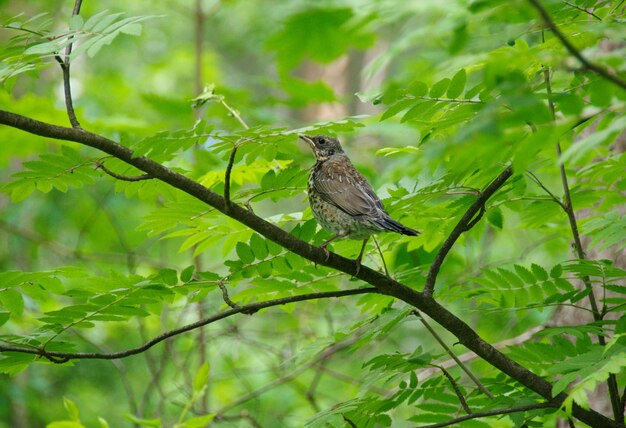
(446, 100)
(490, 413)
(582, 9)
(100, 165)
(580, 253)
(463, 226)
(248, 201)
(456, 389)
(229, 169)
(225, 296)
(382, 258)
(231, 159)
(234, 113)
(62, 357)
(545, 189)
(599, 70)
(449, 351)
(65, 68)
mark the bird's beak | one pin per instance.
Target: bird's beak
(308, 139)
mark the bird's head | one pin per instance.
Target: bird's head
(322, 145)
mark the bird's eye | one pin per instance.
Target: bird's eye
(322, 141)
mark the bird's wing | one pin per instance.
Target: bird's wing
(343, 186)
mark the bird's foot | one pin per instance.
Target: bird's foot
(358, 267)
(326, 253)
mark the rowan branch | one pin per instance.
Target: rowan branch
(62, 357)
(383, 284)
(599, 70)
(490, 413)
(466, 223)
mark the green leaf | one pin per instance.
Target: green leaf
(76, 22)
(169, 276)
(201, 377)
(72, 409)
(439, 88)
(132, 29)
(556, 271)
(419, 108)
(539, 272)
(258, 246)
(244, 252)
(320, 34)
(13, 301)
(4, 317)
(154, 423)
(187, 273)
(494, 216)
(457, 85)
(199, 421)
(418, 89)
(13, 363)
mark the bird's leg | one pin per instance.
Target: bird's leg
(381, 257)
(334, 238)
(360, 257)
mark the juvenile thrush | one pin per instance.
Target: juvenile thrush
(342, 200)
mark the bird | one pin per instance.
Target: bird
(342, 200)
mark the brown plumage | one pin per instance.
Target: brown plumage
(341, 199)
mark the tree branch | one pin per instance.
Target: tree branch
(490, 413)
(599, 70)
(384, 284)
(62, 357)
(466, 223)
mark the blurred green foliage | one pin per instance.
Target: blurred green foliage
(432, 99)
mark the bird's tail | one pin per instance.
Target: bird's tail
(395, 226)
